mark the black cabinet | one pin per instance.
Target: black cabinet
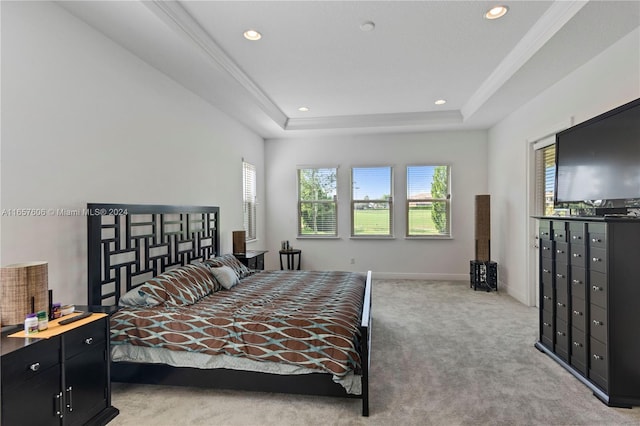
(252, 259)
(589, 313)
(63, 380)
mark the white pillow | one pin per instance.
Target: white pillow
(225, 276)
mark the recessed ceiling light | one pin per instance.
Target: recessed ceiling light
(367, 26)
(496, 12)
(303, 109)
(252, 35)
(440, 102)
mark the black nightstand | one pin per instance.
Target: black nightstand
(252, 259)
(63, 380)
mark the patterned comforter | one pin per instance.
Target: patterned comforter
(305, 318)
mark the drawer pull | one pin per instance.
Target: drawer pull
(560, 276)
(88, 340)
(546, 297)
(69, 399)
(559, 251)
(596, 240)
(596, 322)
(59, 409)
(578, 313)
(597, 259)
(562, 305)
(598, 357)
(577, 255)
(560, 333)
(35, 366)
(577, 344)
(596, 288)
(576, 237)
(545, 248)
(546, 271)
(546, 324)
(576, 281)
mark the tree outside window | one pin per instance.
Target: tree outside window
(428, 201)
(317, 202)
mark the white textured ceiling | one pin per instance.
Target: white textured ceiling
(314, 54)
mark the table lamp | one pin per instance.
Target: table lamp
(23, 290)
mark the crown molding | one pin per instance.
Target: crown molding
(177, 18)
(375, 120)
(558, 14)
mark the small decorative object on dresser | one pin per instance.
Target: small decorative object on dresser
(23, 290)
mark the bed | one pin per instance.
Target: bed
(184, 314)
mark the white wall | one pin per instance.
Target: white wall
(466, 152)
(83, 120)
(607, 81)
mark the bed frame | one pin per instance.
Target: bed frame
(130, 243)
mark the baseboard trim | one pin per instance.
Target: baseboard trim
(420, 276)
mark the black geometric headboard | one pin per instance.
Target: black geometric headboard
(130, 243)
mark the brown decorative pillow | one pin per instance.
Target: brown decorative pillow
(182, 286)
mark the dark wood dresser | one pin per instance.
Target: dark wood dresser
(252, 259)
(590, 302)
(62, 380)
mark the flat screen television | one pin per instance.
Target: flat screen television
(598, 161)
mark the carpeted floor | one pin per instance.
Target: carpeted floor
(442, 355)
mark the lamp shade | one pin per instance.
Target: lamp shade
(23, 290)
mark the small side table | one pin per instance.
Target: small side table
(290, 255)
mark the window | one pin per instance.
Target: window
(545, 179)
(546, 182)
(428, 201)
(371, 201)
(249, 199)
(317, 202)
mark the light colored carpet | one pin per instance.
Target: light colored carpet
(442, 355)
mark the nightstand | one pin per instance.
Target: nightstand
(252, 259)
(63, 380)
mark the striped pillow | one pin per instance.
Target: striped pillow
(182, 286)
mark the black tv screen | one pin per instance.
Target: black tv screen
(600, 158)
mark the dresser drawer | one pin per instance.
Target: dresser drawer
(544, 230)
(597, 239)
(562, 340)
(597, 231)
(562, 309)
(598, 323)
(562, 253)
(578, 282)
(576, 232)
(30, 361)
(84, 337)
(559, 231)
(579, 314)
(547, 297)
(547, 248)
(578, 357)
(546, 271)
(562, 283)
(598, 260)
(599, 364)
(598, 289)
(546, 329)
(577, 255)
